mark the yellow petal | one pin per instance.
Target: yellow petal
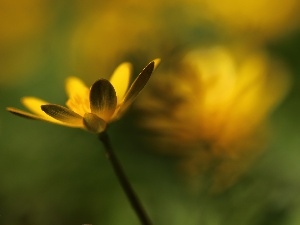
(156, 63)
(27, 115)
(34, 105)
(103, 99)
(75, 87)
(120, 80)
(93, 123)
(22, 113)
(63, 114)
(78, 96)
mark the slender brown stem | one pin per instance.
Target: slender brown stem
(130, 193)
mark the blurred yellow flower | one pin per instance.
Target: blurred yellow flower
(91, 109)
(213, 105)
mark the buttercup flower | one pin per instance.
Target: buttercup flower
(210, 110)
(91, 109)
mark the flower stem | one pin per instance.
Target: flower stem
(127, 188)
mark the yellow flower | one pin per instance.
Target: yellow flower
(91, 109)
(212, 107)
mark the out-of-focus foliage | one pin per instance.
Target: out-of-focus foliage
(56, 175)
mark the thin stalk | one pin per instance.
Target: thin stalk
(127, 188)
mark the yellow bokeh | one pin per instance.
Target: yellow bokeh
(213, 107)
(22, 26)
(259, 20)
(111, 32)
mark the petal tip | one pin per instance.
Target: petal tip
(126, 64)
(156, 63)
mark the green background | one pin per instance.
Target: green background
(56, 175)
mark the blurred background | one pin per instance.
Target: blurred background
(213, 139)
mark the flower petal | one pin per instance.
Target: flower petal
(139, 83)
(156, 63)
(94, 123)
(78, 95)
(24, 114)
(103, 99)
(75, 87)
(27, 115)
(34, 105)
(120, 80)
(63, 114)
